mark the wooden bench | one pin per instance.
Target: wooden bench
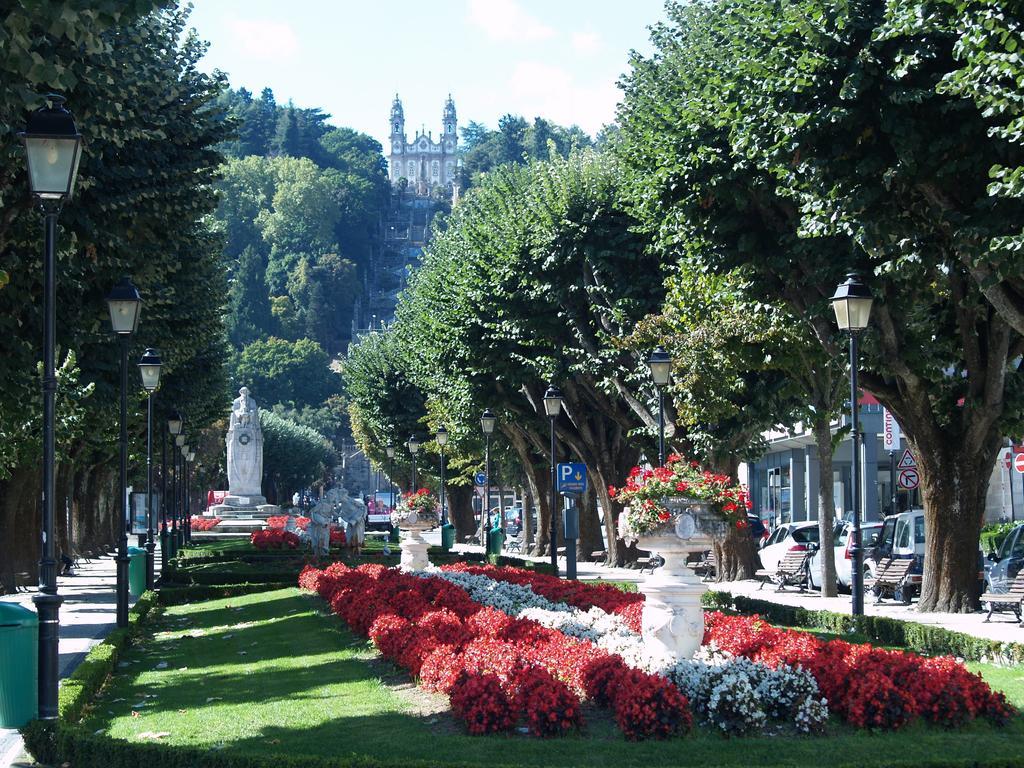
(648, 564)
(890, 579)
(1006, 601)
(515, 544)
(706, 566)
(791, 571)
(598, 556)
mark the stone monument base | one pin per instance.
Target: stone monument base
(229, 510)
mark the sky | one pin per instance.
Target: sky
(558, 59)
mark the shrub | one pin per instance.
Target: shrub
(548, 705)
(481, 703)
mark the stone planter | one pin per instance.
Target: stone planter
(412, 544)
(673, 618)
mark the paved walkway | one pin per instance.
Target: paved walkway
(88, 613)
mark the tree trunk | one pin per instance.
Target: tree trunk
(460, 510)
(20, 524)
(735, 555)
(590, 539)
(826, 506)
(954, 483)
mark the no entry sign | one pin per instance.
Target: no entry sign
(1018, 462)
(909, 479)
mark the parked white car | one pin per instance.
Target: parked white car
(843, 536)
(784, 538)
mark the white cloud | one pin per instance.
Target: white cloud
(586, 42)
(536, 88)
(507, 21)
(264, 38)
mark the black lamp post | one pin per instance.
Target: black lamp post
(442, 441)
(414, 447)
(487, 422)
(390, 451)
(53, 149)
(553, 407)
(661, 372)
(149, 367)
(124, 304)
(175, 423)
(186, 502)
(178, 530)
(852, 305)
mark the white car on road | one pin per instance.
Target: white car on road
(784, 538)
(844, 560)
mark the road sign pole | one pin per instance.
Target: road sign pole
(892, 483)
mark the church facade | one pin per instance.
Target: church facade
(426, 164)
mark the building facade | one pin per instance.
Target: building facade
(784, 482)
(426, 165)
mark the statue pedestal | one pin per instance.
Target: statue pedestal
(414, 547)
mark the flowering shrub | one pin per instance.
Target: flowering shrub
(281, 521)
(549, 707)
(646, 489)
(481, 702)
(414, 507)
(274, 538)
(496, 668)
(869, 687)
(203, 523)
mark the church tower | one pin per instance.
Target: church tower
(397, 127)
(451, 135)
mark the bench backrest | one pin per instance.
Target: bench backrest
(792, 561)
(892, 568)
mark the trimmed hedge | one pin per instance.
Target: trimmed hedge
(881, 630)
(993, 535)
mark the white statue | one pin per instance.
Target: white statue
(245, 451)
(353, 513)
(320, 518)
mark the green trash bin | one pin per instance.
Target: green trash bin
(19, 665)
(447, 537)
(495, 541)
(136, 571)
(393, 534)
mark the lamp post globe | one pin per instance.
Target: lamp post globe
(52, 150)
(852, 305)
(124, 304)
(553, 407)
(149, 369)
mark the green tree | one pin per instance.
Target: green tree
(293, 373)
(294, 456)
(249, 317)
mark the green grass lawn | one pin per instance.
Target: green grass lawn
(271, 673)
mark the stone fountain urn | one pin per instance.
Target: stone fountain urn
(411, 525)
(673, 617)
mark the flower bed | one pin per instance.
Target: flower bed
(198, 523)
(274, 538)
(496, 669)
(281, 521)
(867, 686)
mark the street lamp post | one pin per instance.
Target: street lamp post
(124, 304)
(53, 149)
(487, 422)
(553, 407)
(852, 305)
(179, 496)
(661, 372)
(175, 423)
(442, 441)
(390, 451)
(186, 502)
(414, 447)
(149, 368)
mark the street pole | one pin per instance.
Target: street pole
(485, 508)
(444, 512)
(174, 500)
(892, 483)
(47, 601)
(856, 553)
(150, 543)
(661, 426)
(553, 501)
(164, 538)
(391, 480)
(122, 543)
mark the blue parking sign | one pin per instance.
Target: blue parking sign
(571, 478)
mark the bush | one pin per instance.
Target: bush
(993, 535)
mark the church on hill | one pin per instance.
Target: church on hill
(424, 163)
